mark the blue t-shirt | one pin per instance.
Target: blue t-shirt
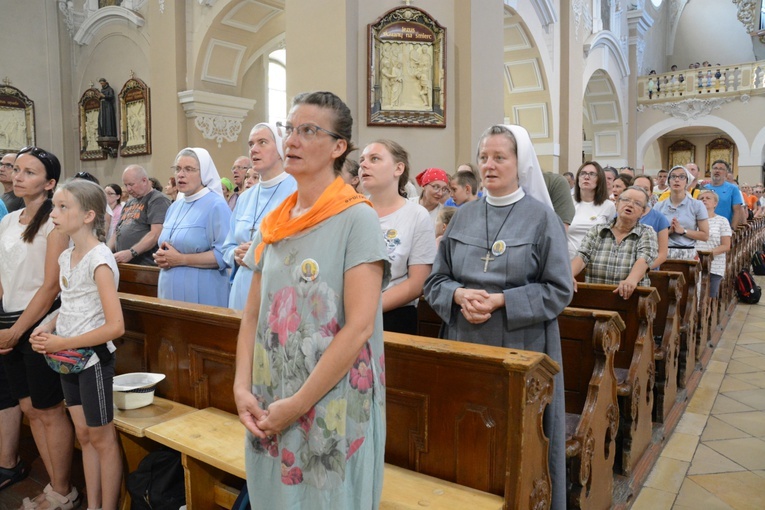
(729, 196)
(655, 220)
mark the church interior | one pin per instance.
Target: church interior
(613, 81)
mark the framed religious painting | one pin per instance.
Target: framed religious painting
(135, 118)
(407, 70)
(17, 119)
(721, 148)
(90, 108)
(680, 152)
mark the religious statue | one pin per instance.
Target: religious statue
(107, 119)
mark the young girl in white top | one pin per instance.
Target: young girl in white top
(407, 228)
(90, 316)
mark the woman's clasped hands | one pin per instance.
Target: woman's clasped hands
(477, 304)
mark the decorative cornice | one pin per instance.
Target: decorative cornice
(102, 17)
(546, 12)
(607, 39)
(691, 109)
(217, 116)
(640, 20)
(581, 13)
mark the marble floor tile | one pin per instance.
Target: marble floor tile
(716, 367)
(744, 352)
(694, 496)
(691, 423)
(753, 423)
(754, 378)
(681, 446)
(724, 354)
(756, 361)
(751, 338)
(702, 401)
(712, 380)
(742, 490)
(667, 475)
(653, 499)
(724, 404)
(718, 429)
(748, 452)
(739, 367)
(734, 384)
(752, 398)
(758, 348)
(707, 460)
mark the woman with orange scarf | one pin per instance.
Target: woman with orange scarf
(310, 381)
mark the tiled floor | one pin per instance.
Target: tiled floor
(715, 458)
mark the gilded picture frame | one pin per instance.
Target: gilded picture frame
(135, 118)
(89, 108)
(406, 84)
(680, 152)
(721, 148)
(17, 119)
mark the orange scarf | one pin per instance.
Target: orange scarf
(278, 225)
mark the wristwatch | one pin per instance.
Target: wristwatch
(133, 253)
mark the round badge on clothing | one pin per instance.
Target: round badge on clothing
(309, 270)
(498, 248)
(391, 233)
(64, 282)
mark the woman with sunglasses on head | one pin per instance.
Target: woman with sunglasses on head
(407, 229)
(310, 383)
(190, 254)
(29, 277)
(267, 156)
(688, 218)
(591, 204)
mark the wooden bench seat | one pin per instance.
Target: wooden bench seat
(634, 362)
(671, 286)
(131, 425)
(589, 339)
(211, 443)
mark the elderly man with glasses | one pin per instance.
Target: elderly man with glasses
(621, 251)
(11, 201)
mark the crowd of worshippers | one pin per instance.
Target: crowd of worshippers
(201, 245)
(484, 245)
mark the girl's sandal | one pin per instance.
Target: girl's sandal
(52, 500)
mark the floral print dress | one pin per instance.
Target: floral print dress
(332, 457)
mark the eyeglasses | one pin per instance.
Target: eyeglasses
(306, 132)
(110, 193)
(237, 167)
(588, 175)
(6, 165)
(631, 201)
(678, 177)
(184, 169)
(439, 189)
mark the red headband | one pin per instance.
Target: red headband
(431, 174)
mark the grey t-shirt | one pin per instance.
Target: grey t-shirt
(12, 202)
(138, 215)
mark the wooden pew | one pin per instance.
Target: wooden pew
(589, 339)
(671, 287)
(634, 362)
(211, 445)
(141, 280)
(469, 414)
(689, 314)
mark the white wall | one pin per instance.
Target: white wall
(710, 30)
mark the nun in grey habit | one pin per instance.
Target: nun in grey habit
(502, 273)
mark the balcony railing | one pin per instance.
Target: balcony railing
(730, 80)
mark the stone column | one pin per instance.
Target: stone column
(638, 21)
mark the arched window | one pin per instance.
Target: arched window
(277, 86)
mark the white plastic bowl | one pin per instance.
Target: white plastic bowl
(135, 390)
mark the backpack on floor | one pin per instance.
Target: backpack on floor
(746, 288)
(758, 263)
(158, 482)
